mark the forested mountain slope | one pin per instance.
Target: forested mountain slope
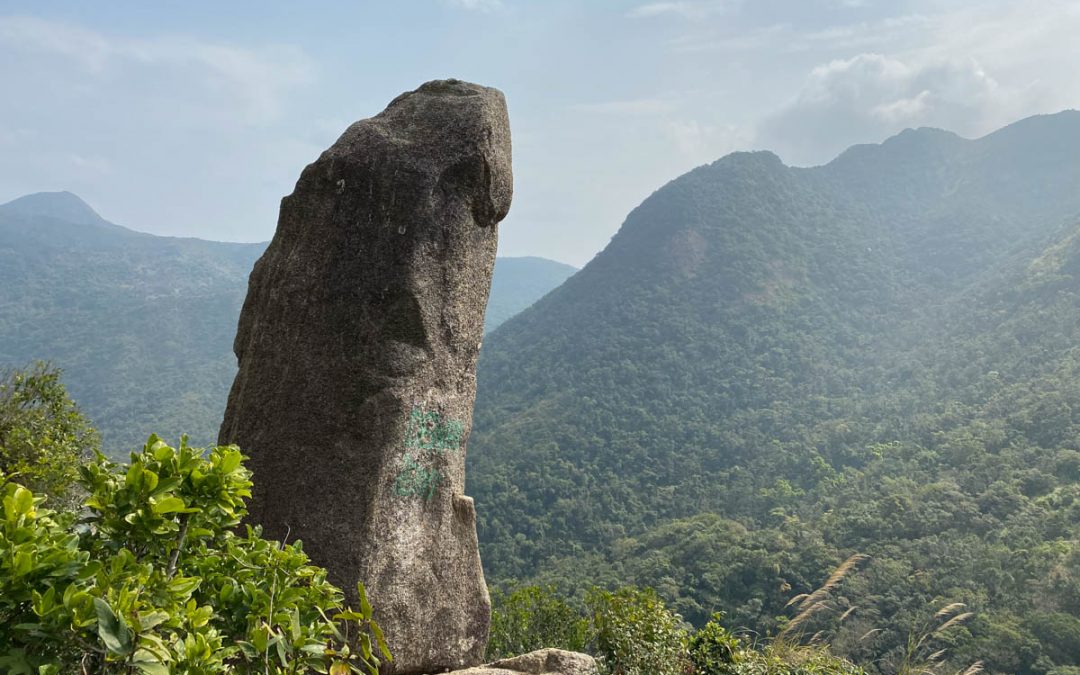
(519, 282)
(143, 325)
(770, 368)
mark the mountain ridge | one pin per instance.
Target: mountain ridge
(780, 352)
(62, 205)
(143, 324)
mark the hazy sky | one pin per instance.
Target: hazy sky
(194, 118)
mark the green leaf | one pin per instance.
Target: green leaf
(169, 505)
(112, 630)
(230, 461)
(43, 604)
(162, 452)
(151, 619)
(381, 641)
(23, 563)
(134, 473)
(152, 667)
(166, 485)
(22, 501)
(365, 606)
(88, 570)
(294, 624)
(184, 585)
(201, 616)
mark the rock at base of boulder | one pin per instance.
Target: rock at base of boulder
(540, 662)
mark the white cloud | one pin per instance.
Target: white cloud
(682, 8)
(249, 83)
(167, 133)
(702, 142)
(658, 8)
(643, 106)
(870, 96)
(788, 38)
(30, 34)
(476, 5)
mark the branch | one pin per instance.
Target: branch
(179, 545)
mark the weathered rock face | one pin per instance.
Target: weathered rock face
(357, 348)
(542, 662)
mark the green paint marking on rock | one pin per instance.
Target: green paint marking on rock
(415, 480)
(427, 437)
(426, 431)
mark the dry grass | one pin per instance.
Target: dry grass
(918, 657)
(810, 604)
(924, 653)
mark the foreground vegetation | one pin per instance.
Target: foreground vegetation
(631, 632)
(150, 577)
(140, 569)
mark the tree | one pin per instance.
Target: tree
(43, 435)
(534, 617)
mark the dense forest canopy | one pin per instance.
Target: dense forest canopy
(771, 368)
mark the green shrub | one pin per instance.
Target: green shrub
(153, 579)
(43, 436)
(713, 650)
(631, 632)
(635, 634)
(716, 651)
(781, 658)
(531, 618)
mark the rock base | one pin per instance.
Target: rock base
(541, 662)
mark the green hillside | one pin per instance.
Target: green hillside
(143, 325)
(771, 368)
(518, 283)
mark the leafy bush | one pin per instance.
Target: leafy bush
(713, 649)
(531, 618)
(153, 579)
(631, 632)
(635, 634)
(43, 436)
(716, 651)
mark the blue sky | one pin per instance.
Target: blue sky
(195, 118)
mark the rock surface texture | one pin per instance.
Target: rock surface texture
(542, 662)
(357, 348)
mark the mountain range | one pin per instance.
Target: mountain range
(142, 325)
(767, 370)
(771, 368)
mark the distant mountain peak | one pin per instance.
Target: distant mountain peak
(922, 133)
(64, 206)
(910, 140)
(1056, 130)
(751, 158)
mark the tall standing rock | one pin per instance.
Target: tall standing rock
(357, 348)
